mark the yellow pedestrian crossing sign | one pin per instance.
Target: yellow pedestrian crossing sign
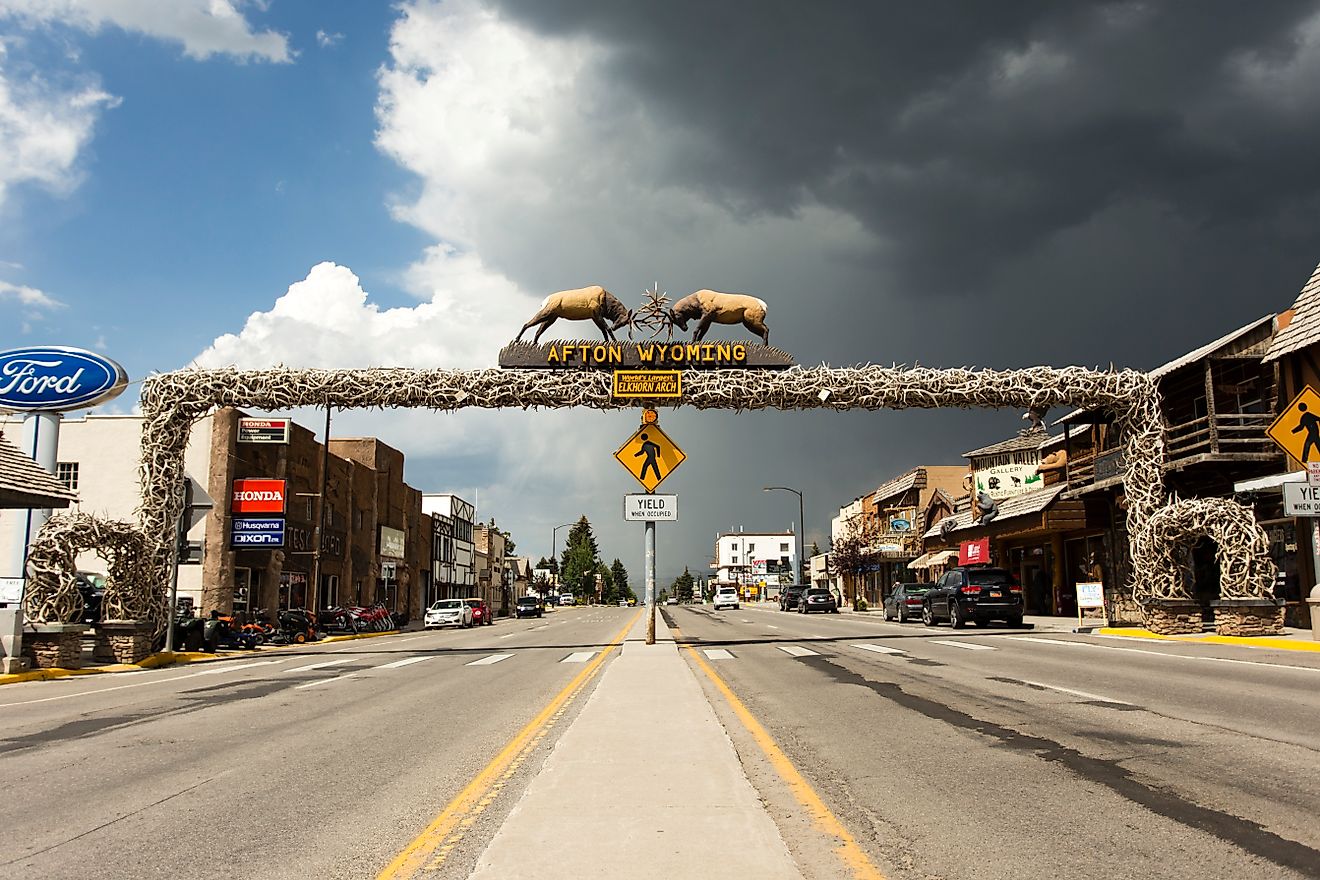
(650, 456)
(1297, 429)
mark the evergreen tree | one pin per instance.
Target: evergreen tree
(683, 586)
(580, 560)
(815, 549)
(608, 594)
(619, 575)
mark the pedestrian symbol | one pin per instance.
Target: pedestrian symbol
(650, 456)
(1297, 429)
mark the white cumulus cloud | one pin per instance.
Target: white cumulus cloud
(43, 128)
(203, 27)
(28, 296)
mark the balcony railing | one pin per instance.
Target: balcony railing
(1225, 434)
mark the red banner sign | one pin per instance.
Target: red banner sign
(974, 552)
(257, 496)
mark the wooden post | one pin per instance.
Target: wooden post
(1210, 407)
(1057, 575)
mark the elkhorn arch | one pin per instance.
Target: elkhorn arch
(171, 402)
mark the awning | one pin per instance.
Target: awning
(1274, 481)
(926, 560)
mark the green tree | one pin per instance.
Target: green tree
(619, 575)
(851, 555)
(683, 586)
(580, 560)
(609, 594)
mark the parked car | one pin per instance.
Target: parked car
(566, 599)
(726, 597)
(979, 594)
(817, 599)
(632, 603)
(528, 606)
(788, 599)
(481, 613)
(623, 603)
(91, 586)
(671, 601)
(448, 612)
(904, 603)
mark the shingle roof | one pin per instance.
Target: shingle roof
(24, 483)
(900, 484)
(1018, 505)
(1305, 327)
(1028, 440)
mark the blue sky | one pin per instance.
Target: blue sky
(255, 182)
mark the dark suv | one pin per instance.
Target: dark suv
(980, 594)
(789, 596)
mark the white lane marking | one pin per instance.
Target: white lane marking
(323, 664)
(487, 661)
(542, 626)
(746, 621)
(772, 626)
(579, 657)
(508, 635)
(795, 651)
(1083, 694)
(717, 654)
(406, 661)
(234, 667)
(1041, 641)
(320, 681)
(412, 639)
(968, 645)
(105, 690)
(880, 649)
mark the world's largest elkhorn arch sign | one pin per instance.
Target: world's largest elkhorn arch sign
(142, 552)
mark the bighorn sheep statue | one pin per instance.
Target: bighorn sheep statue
(720, 308)
(594, 302)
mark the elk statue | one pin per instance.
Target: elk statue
(713, 307)
(594, 302)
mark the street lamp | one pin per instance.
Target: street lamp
(797, 572)
(554, 537)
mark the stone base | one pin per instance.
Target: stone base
(122, 641)
(1173, 618)
(1248, 618)
(54, 646)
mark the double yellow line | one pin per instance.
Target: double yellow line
(429, 850)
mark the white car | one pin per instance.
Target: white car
(726, 597)
(448, 612)
(566, 599)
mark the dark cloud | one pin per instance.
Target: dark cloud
(969, 136)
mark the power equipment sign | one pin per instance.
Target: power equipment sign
(257, 496)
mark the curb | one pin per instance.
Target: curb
(176, 658)
(1270, 642)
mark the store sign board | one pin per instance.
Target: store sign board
(246, 532)
(392, 542)
(53, 378)
(11, 590)
(974, 552)
(263, 430)
(1091, 595)
(257, 496)
(1301, 499)
(1006, 480)
(652, 508)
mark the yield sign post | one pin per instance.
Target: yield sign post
(650, 456)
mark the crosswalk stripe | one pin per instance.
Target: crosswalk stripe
(322, 664)
(798, 652)
(966, 645)
(487, 661)
(579, 657)
(880, 649)
(404, 662)
(717, 654)
(321, 681)
(231, 667)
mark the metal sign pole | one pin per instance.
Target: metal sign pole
(650, 582)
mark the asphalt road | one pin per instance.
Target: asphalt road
(1003, 753)
(320, 761)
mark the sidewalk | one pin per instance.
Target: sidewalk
(648, 759)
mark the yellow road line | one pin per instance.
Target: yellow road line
(849, 851)
(433, 845)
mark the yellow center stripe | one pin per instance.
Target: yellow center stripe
(849, 851)
(473, 798)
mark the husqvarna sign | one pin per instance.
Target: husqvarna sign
(51, 378)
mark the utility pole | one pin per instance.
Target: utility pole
(319, 537)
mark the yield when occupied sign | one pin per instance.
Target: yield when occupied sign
(1301, 499)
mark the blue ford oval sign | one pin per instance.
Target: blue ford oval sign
(51, 378)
